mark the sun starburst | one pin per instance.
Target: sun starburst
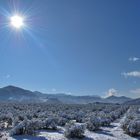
(17, 21)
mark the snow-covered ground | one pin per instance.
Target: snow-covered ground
(113, 132)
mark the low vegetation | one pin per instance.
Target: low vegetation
(27, 119)
(131, 123)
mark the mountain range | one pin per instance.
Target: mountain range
(13, 93)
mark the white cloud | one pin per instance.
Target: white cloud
(135, 91)
(134, 59)
(131, 74)
(112, 92)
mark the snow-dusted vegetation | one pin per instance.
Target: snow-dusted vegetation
(74, 121)
(131, 123)
(74, 130)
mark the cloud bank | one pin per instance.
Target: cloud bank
(135, 91)
(131, 74)
(134, 59)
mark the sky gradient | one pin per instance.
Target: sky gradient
(80, 47)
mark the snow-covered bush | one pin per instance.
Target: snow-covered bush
(7, 118)
(74, 130)
(125, 123)
(20, 118)
(24, 127)
(2, 125)
(131, 124)
(3, 136)
(133, 128)
(15, 121)
(79, 116)
(62, 121)
(37, 124)
(104, 121)
(50, 123)
(104, 118)
(93, 124)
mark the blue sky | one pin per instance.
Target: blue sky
(78, 46)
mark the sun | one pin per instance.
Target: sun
(17, 21)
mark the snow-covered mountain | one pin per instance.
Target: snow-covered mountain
(13, 93)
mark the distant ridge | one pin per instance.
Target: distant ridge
(116, 99)
(12, 93)
(133, 102)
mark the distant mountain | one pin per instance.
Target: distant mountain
(117, 99)
(71, 99)
(133, 102)
(13, 93)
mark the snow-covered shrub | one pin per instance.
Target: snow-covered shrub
(79, 116)
(104, 121)
(133, 128)
(3, 136)
(74, 130)
(50, 123)
(62, 121)
(28, 115)
(104, 118)
(37, 124)
(24, 127)
(93, 124)
(7, 118)
(2, 125)
(125, 123)
(113, 115)
(131, 124)
(20, 118)
(15, 121)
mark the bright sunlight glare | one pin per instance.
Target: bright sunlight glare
(17, 21)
